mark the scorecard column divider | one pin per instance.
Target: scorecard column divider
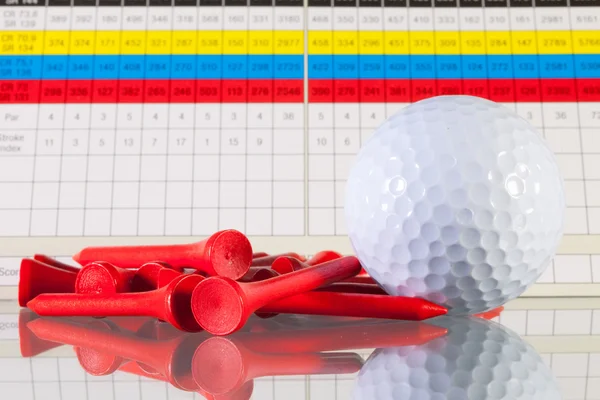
(176, 223)
(144, 106)
(372, 27)
(273, 55)
(527, 95)
(579, 128)
(588, 90)
(149, 106)
(434, 51)
(437, 60)
(273, 106)
(360, 95)
(559, 110)
(321, 117)
(580, 125)
(194, 108)
(512, 57)
(90, 123)
(116, 123)
(248, 89)
(446, 28)
(405, 79)
(486, 82)
(77, 121)
(390, 26)
(493, 23)
(384, 66)
(207, 109)
(336, 106)
(540, 86)
(459, 25)
(130, 115)
(235, 102)
(288, 191)
(246, 103)
(151, 125)
(461, 50)
(306, 109)
(421, 48)
(465, 38)
(499, 9)
(38, 106)
(143, 98)
(340, 225)
(215, 133)
(529, 110)
(219, 106)
(64, 119)
(181, 114)
(220, 116)
(538, 69)
(346, 98)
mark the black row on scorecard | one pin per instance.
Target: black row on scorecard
(312, 3)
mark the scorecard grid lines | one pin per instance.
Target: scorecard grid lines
(154, 118)
(265, 217)
(330, 83)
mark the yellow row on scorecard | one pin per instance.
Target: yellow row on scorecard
(420, 42)
(152, 42)
(293, 42)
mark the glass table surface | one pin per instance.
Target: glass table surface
(533, 348)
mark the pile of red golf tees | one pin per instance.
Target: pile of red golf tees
(213, 285)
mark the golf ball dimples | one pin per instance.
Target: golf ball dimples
(476, 360)
(455, 199)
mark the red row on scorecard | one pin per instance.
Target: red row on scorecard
(152, 91)
(412, 90)
(292, 91)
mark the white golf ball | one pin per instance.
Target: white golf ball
(476, 360)
(458, 200)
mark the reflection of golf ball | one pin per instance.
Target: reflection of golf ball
(455, 199)
(476, 360)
